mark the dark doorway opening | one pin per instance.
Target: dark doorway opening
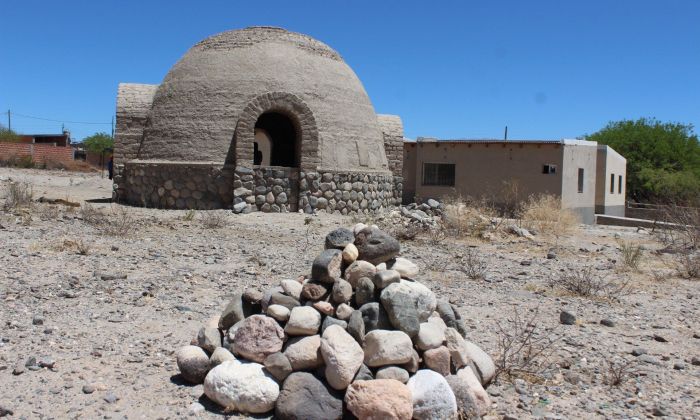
(283, 139)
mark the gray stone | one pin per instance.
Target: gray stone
(326, 267)
(431, 334)
(278, 365)
(303, 320)
(304, 353)
(236, 310)
(329, 320)
(193, 363)
(376, 246)
(279, 312)
(472, 399)
(220, 356)
(364, 292)
(343, 356)
(356, 326)
(375, 317)
(384, 278)
(284, 300)
(449, 315)
(343, 311)
(401, 308)
(258, 337)
(363, 374)
(393, 372)
(209, 338)
(303, 397)
(240, 207)
(607, 322)
(358, 270)
(412, 365)
(292, 288)
(567, 318)
(339, 238)
(342, 291)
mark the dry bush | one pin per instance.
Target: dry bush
(91, 215)
(631, 254)
(19, 196)
(618, 372)
(73, 245)
(213, 219)
(590, 283)
(524, 345)
(688, 265)
(682, 229)
(119, 222)
(473, 265)
(48, 212)
(405, 232)
(466, 216)
(543, 214)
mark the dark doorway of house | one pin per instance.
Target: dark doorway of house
(283, 140)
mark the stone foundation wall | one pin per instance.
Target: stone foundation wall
(174, 185)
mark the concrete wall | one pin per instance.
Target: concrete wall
(609, 162)
(483, 169)
(579, 154)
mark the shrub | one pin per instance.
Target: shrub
(631, 254)
(543, 213)
(618, 372)
(589, 282)
(91, 215)
(688, 265)
(120, 222)
(19, 195)
(189, 216)
(524, 346)
(473, 265)
(466, 216)
(213, 219)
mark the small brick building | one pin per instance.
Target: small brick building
(258, 119)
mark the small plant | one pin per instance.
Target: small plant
(189, 216)
(688, 265)
(618, 372)
(19, 196)
(589, 282)
(473, 265)
(544, 214)
(213, 219)
(466, 217)
(91, 215)
(524, 346)
(120, 222)
(631, 254)
(405, 232)
(48, 212)
(73, 245)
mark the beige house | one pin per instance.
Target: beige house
(611, 177)
(502, 170)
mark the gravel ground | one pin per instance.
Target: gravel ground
(103, 310)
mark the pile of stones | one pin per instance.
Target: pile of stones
(359, 336)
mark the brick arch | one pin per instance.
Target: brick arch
(284, 103)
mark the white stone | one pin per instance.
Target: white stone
(343, 311)
(292, 288)
(432, 396)
(358, 227)
(384, 347)
(431, 334)
(303, 320)
(407, 268)
(475, 389)
(242, 387)
(342, 355)
(279, 312)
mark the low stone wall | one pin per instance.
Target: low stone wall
(174, 185)
(178, 185)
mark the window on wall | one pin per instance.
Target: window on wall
(619, 185)
(580, 180)
(439, 174)
(612, 183)
(549, 169)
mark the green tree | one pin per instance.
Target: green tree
(8, 135)
(98, 142)
(663, 159)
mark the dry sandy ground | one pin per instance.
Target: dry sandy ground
(108, 322)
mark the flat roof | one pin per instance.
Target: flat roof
(500, 141)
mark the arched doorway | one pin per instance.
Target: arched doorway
(276, 141)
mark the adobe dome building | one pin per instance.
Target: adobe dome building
(256, 119)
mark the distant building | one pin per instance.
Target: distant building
(59, 140)
(570, 169)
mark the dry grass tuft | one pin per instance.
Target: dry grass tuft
(543, 214)
(590, 283)
(473, 265)
(631, 254)
(213, 219)
(618, 372)
(19, 195)
(77, 246)
(467, 217)
(524, 346)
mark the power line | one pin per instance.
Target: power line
(14, 114)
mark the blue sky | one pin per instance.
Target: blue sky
(450, 69)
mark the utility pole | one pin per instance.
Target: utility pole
(9, 121)
(112, 125)
(505, 136)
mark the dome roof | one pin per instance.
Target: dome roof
(206, 107)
